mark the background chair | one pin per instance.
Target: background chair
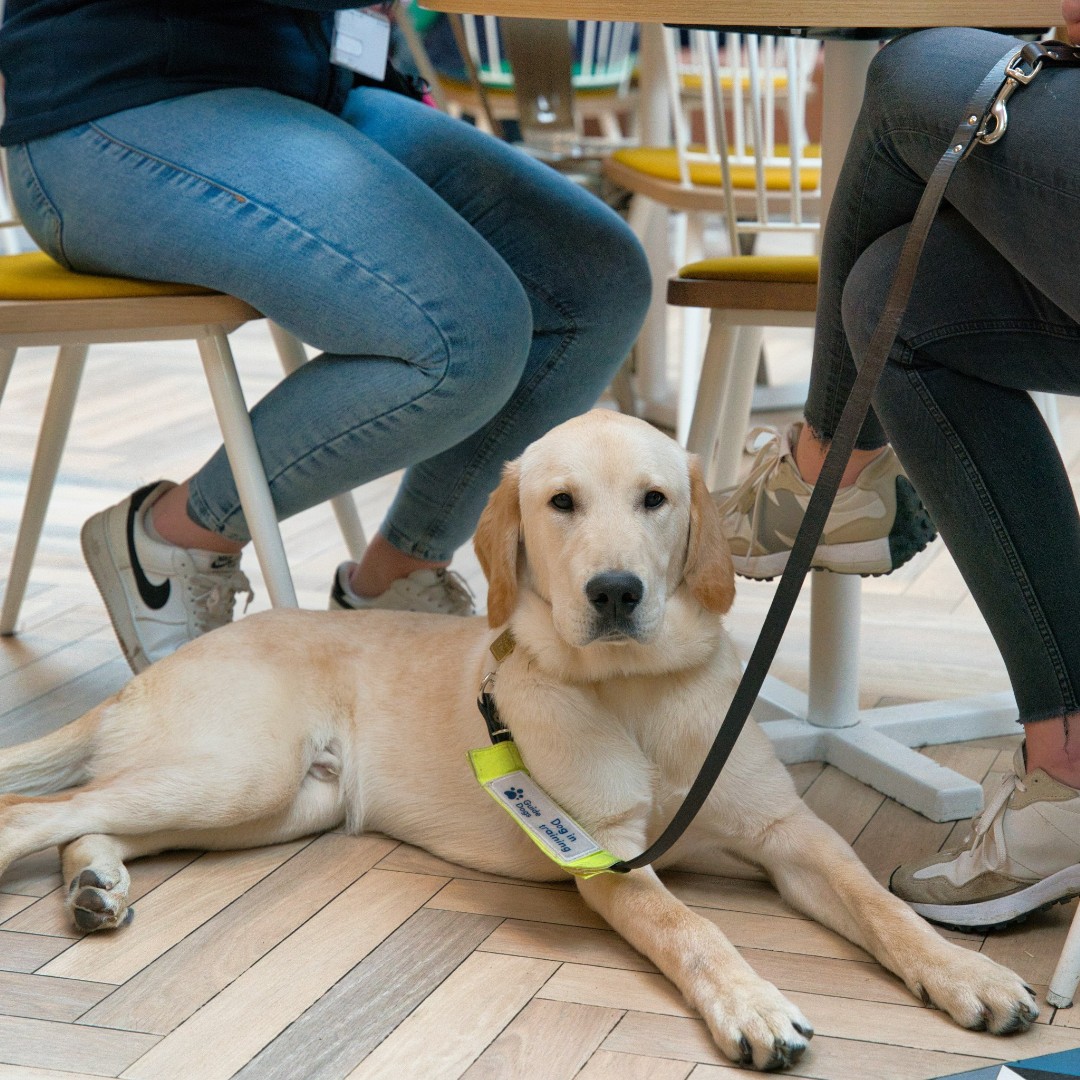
(738, 107)
(603, 60)
(41, 303)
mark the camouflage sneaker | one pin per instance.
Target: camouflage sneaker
(874, 526)
(438, 592)
(1023, 855)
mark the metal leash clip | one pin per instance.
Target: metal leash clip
(1023, 67)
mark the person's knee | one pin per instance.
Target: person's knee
(490, 344)
(866, 290)
(620, 277)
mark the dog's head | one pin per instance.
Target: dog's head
(607, 524)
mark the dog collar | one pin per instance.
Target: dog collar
(501, 772)
(500, 649)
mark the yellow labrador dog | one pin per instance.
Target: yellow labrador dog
(604, 555)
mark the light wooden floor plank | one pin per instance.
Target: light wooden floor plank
(604, 1065)
(355, 1015)
(168, 990)
(49, 916)
(576, 944)
(456, 1023)
(48, 999)
(226, 1032)
(48, 1045)
(28, 952)
(669, 1037)
(517, 902)
(547, 1040)
(169, 913)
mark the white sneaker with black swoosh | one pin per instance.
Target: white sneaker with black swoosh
(159, 596)
(875, 525)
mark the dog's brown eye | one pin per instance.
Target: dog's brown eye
(562, 501)
(653, 499)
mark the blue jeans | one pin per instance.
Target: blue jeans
(995, 312)
(465, 297)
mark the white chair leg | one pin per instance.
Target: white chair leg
(293, 355)
(247, 467)
(7, 362)
(712, 398)
(649, 221)
(692, 333)
(725, 391)
(1067, 973)
(70, 361)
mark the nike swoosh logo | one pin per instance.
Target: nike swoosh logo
(153, 596)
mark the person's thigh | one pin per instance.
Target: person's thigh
(1021, 193)
(280, 203)
(1017, 193)
(426, 328)
(573, 254)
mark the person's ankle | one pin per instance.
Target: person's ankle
(381, 565)
(168, 520)
(810, 452)
(1054, 746)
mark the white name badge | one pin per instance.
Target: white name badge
(361, 42)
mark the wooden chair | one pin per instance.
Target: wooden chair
(737, 106)
(41, 303)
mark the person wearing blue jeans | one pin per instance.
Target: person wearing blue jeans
(464, 297)
(995, 313)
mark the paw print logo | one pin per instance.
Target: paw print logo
(514, 793)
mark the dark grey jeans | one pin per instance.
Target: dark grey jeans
(995, 313)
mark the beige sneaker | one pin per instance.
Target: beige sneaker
(438, 592)
(874, 526)
(1023, 855)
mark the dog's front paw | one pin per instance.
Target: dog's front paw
(96, 903)
(979, 993)
(754, 1024)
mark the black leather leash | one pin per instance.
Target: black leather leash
(985, 120)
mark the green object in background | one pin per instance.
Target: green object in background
(421, 18)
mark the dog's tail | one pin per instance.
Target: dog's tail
(53, 762)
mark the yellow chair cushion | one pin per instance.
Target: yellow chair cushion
(694, 83)
(792, 268)
(35, 276)
(662, 162)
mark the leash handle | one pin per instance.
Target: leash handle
(987, 96)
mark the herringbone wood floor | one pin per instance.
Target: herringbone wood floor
(343, 956)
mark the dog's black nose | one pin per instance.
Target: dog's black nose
(615, 594)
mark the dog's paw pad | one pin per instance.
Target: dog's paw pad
(95, 904)
(90, 879)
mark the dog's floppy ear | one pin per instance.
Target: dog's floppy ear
(709, 572)
(496, 542)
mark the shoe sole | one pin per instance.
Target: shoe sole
(1002, 911)
(101, 562)
(912, 531)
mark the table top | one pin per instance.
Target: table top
(778, 13)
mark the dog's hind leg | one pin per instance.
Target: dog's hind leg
(98, 880)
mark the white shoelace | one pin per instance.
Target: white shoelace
(770, 447)
(213, 596)
(986, 844)
(459, 597)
